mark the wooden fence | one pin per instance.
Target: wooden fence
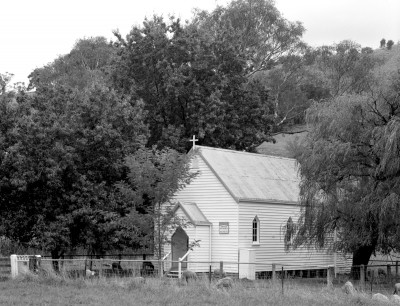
(5, 267)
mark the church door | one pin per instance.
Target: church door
(179, 246)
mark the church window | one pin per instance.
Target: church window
(256, 230)
(289, 233)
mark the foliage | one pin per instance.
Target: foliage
(389, 44)
(383, 43)
(62, 152)
(345, 68)
(85, 66)
(350, 166)
(191, 84)
(5, 79)
(258, 31)
(154, 177)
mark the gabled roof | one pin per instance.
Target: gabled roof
(193, 212)
(254, 177)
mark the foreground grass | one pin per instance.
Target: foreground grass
(56, 290)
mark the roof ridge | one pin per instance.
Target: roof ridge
(243, 152)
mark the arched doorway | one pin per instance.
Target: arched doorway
(179, 247)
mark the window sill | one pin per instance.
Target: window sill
(256, 243)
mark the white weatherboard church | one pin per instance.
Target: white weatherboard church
(241, 203)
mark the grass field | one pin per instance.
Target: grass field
(56, 290)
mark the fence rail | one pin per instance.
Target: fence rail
(371, 277)
(5, 267)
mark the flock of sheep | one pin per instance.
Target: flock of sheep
(348, 288)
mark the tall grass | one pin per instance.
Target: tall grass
(48, 288)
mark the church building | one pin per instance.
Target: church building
(241, 207)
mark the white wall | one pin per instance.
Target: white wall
(218, 206)
(273, 218)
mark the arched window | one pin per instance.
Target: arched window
(256, 230)
(289, 233)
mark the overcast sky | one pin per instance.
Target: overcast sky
(34, 33)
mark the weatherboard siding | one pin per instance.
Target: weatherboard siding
(217, 205)
(273, 218)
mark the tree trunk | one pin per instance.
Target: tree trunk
(361, 256)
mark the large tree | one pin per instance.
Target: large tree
(256, 29)
(191, 84)
(350, 170)
(344, 68)
(61, 153)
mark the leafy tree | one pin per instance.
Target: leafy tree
(383, 43)
(191, 85)
(389, 44)
(350, 169)
(61, 153)
(154, 177)
(5, 79)
(272, 50)
(261, 34)
(344, 68)
(86, 65)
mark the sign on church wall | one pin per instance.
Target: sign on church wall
(224, 227)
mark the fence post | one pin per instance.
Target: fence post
(14, 265)
(389, 272)
(179, 267)
(209, 275)
(282, 277)
(329, 276)
(221, 268)
(273, 272)
(362, 277)
(372, 277)
(160, 267)
(397, 269)
(101, 272)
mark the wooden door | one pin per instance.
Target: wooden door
(179, 246)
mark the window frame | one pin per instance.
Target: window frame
(290, 229)
(255, 231)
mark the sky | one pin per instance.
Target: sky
(34, 33)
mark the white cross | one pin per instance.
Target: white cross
(194, 141)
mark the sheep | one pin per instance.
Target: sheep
(396, 299)
(116, 267)
(225, 282)
(219, 273)
(348, 288)
(380, 297)
(89, 273)
(189, 275)
(396, 288)
(147, 268)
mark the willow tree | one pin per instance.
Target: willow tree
(350, 170)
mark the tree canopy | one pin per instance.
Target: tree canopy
(62, 152)
(350, 167)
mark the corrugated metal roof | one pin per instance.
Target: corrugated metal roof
(254, 177)
(193, 212)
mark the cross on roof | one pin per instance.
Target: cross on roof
(194, 141)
